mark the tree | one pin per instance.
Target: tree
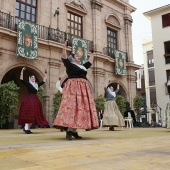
(121, 103)
(56, 103)
(8, 102)
(137, 104)
(100, 102)
(40, 93)
(128, 106)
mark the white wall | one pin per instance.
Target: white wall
(160, 35)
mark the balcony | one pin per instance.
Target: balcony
(150, 65)
(47, 33)
(110, 52)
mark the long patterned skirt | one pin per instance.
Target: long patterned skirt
(112, 115)
(77, 108)
(31, 111)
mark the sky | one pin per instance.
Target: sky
(141, 26)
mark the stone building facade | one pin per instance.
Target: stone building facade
(107, 23)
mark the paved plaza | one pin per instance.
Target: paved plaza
(47, 149)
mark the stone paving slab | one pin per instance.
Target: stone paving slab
(47, 149)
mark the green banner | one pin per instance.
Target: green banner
(79, 47)
(120, 62)
(27, 40)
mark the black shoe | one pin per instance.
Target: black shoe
(112, 128)
(27, 131)
(75, 134)
(69, 135)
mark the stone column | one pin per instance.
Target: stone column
(53, 77)
(128, 36)
(98, 77)
(45, 107)
(131, 81)
(128, 48)
(96, 20)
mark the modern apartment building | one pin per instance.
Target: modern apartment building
(160, 21)
(106, 23)
(153, 111)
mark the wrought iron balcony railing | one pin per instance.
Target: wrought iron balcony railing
(110, 52)
(46, 33)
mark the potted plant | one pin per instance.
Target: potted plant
(8, 103)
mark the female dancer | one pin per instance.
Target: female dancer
(77, 108)
(31, 108)
(112, 116)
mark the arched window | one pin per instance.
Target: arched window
(113, 28)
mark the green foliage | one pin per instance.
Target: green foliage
(128, 106)
(3, 119)
(121, 103)
(100, 102)
(8, 101)
(40, 93)
(137, 104)
(56, 103)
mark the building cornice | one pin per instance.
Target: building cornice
(96, 5)
(151, 13)
(80, 9)
(130, 7)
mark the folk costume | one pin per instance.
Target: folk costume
(31, 108)
(112, 116)
(77, 108)
(58, 86)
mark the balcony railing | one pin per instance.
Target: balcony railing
(46, 33)
(110, 52)
(150, 65)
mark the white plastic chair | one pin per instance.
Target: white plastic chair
(129, 120)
